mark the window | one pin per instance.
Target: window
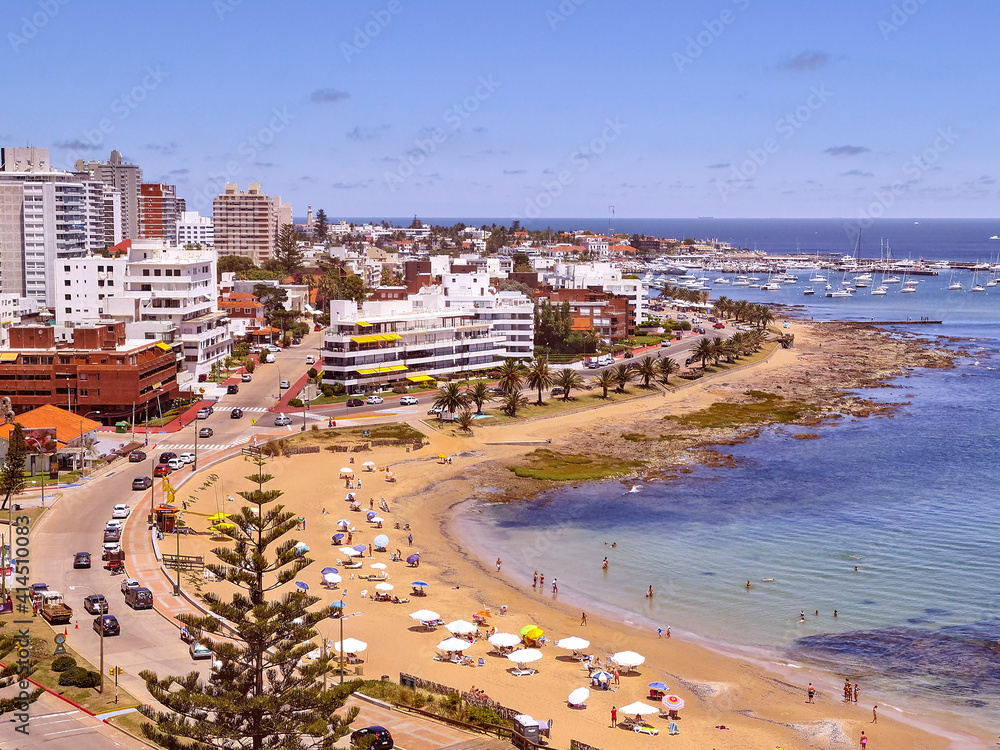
(69, 297)
(145, 272)
(67, 282)
(69, 310)
(66, 269)
(156, 272)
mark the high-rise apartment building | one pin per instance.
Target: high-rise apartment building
(247, 224)
(125, 176)
(158, 212)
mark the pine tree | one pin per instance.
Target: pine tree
(286, 252)
(12, 481)
(262, 692)
(320, 228)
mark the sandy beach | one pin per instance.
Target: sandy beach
(730, 701)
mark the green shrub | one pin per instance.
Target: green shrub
(400, 389)
(79, 677)
(62, 663)
(481, 715)
(338, 389)
(296, 402)
(452, 702)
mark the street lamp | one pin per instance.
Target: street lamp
(177, 560)
(343, 616)
(105, 595)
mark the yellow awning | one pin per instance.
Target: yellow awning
(364, 339)
(419, 378)
(9, 356)
(390, 337)
(366, 325)
(384, 368)
(164, 347)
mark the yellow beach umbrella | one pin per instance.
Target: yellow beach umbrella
(224, 526)
(534, 634)
(216, 517)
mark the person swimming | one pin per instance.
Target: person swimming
(748, 585)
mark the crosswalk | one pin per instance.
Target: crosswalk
(244, 409)
(200, 446)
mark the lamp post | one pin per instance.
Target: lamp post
(105, 595)
(343, 615)
(194, 464)
(305, 403)
(87, 416)
(177, 560)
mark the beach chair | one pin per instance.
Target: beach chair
(364, 594)
(645, 729)
(482, 662)
(674, 729)
(627, 723)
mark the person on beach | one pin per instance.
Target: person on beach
(371, 503)
(614, 716)
(555, 585)
(409, 540)
(583, 618)
(541, 581)
(834, 613)
(811, 692)
(864, 740)
(499, 564)
(369, 549)
(668, 632)
(617, 676)
(659, 632)
(534, 581)
(847, 690)
(649, 593)
(749, 584)
(605, 565)
(874, 714)
(856, 691)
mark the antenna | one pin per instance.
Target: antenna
(611, 220)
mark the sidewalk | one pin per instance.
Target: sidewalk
(282, 403)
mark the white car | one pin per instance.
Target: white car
(282, 420)
(187, 458)
(121, 511)
(374, 400)
(272, 348)
(408, 401)
(113, 524)
(175, 464)
(129, 583)
(199, 651)
(284, 384)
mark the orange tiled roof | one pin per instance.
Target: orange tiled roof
(68, 425)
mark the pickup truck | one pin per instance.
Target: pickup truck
(54, 608)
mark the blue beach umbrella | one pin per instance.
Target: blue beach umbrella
(302, 585)
(371, 514)
(336, 605)
(381, 541)
(360, 547)
(336, 538)
(601, 676)
(413, 559)
(334, 570)
(421, 584)
(658, 686)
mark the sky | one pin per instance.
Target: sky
(524, 109)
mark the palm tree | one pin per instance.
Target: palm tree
(513, 402)
(703, 351)
(451, 399)
(509, 380)
(464, 421)
(727, 348)
(668, 366)
(479, 394)
(623, 375)
(605, 379)
(539, 376)
(568, 379)
(717, 350)
(645, 370)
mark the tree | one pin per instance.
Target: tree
(479, 394)
(645, 370)
(353, 287)
(452, 399)
(12, 480)
(568, 379)
(464, 421)
(511, 372)
(264, 694)
(271, 297)
(622, 374)
(287, 254)
(233, 263)
(392, 278)
(668, 366)
(522, 263)
(513, 402)
(704, 351)
(320, 227)
(539, 376)
(605, 379)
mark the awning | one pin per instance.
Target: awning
(365, 339)
(384, 368)
(390, 337)
(9, 356)
(164, 347)
(366, 325)
(419, 378)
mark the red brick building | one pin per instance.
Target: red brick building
(159, 209)
(98, 371)
(611, 316)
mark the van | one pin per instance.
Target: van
(139, 598)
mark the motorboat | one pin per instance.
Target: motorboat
(879, 291)
(809, 290)
(772, 286)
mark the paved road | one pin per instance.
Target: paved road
(61, 727)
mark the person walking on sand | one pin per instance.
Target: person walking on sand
(555, 585)
(583, 618)
(668, 631)
(409, 540)
(541, 582)
(614, 716)
(874, 714)
(856, 691)
(864, 740)
(499, 564)
(534, 581)
(811, 692)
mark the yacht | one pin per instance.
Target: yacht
(841, 293)
(955, 286)
(741, 281)
(891, 280)
(817, 278)
(809, 290)
(772, 286)
(879, 291)
(721, 280)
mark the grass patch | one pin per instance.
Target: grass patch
(638, 437)
(568, 467)
(767, 408)
(399, 431)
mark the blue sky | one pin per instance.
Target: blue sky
(729, 108)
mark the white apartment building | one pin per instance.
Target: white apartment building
(603, 276)
(83, 286)
(195, 229)
(393, 342)
(360, 263)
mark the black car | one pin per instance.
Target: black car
(136, 457)
(142, 483)
(355, 402)
(166, 456)
(82, 560)
(236, 414)
(231, 389)
(382, 738)
(110, 625)
(206, 432)
(96, 604)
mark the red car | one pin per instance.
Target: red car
(719, 325)
(161, 470)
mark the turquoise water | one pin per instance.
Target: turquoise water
(910, 500)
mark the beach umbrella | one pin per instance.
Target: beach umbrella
(504, 640)
(526, 628)
(423, 615)
(329, 570)
(302, 585)
(384, 587)
(378, 566)
(573, 643)
(301, 548)
(349, 551)
(601, 676)
(355, 505)
(483, 613)
(673, 702)
(421, 584)
(350, 496)
(643, 709)
(453, 644)
(628, 659)
(442, 455)
(368, 464)
(332, 578)
(343, 523)
(414, 558)
(215, 517)
(390, 475)
(346, 470)
(377, 519)
(525, 655)
(336, 538)
(381, 541)
(337, 605)
(534, 634)
(461, 627)
(351, 646)
(658, 686)
(371, 514)
(578, 697)
(359, 548)
(224, 526)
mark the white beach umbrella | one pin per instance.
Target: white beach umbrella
(346, 470)
(332, 578)
(643, 709)
(504, 640)
(461, 627)
(368, 463)
(376, 519)
(423, 615)
(384, 587)
(525, 655)
(349, 551)
(628, 659)
(573, 643)
(351, 646)
(578, 697)
(378, 566)
(453, 644)
(343, 523)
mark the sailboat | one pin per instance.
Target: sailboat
(976, 286)
(954, 286)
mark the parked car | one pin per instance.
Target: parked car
(162, 470)
(166, 456)
(37, 589)
(435, 410)
(284, 384)
(374, 400)
(382, 739)
(81, 560)
(199, 651)
(176, 463)
(246, 377)
(108, 548)
(408, 401)
(114, 523)
(681, 316)
(129, 583)
(108, 624)
(355, 402)
(271, 348)
(95, 604)
(231, 389)
(136, 457)
(205, 412)
(142, 483)
(121, 511)
(557, 391)
(206, 432)
(296, 341)
(282, 420)
(187, 458)
(112, 535)
(236, 414)
(310, 359)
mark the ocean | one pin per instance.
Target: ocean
(908, 499)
